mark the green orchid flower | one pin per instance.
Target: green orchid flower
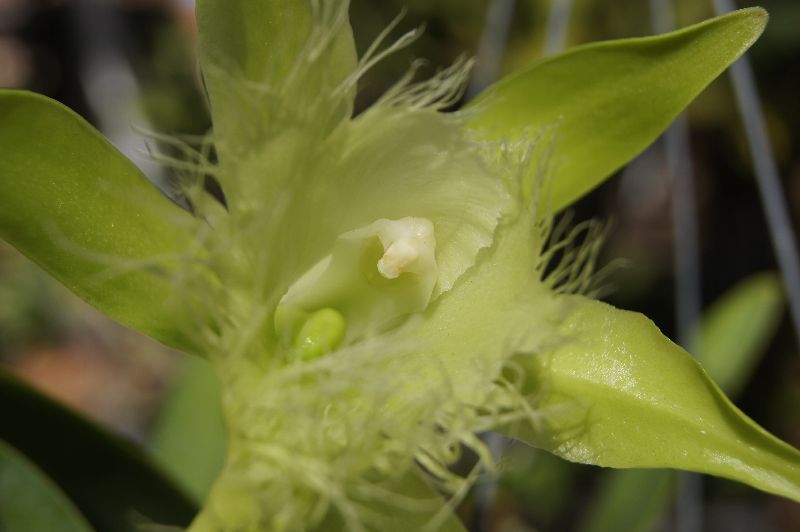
(375, 290)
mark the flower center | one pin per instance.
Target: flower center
(374, 277)
(405, 242)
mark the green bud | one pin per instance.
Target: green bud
(322, 332)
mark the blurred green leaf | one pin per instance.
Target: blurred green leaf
(617, 393)
(541, 481)
(736, 329)
(78, 208)
(609, 100)
(28, 313)
(189, 436)
(29, 501)
(109, 480)
(632, 500)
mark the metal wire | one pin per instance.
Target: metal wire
(557, 25)
(492, 45)
(769, 183)
(108, 80)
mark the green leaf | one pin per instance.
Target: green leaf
(735, 331)
(542, 481)
(111, 481)
(29, 501)
(189, 436)
(632, 500)
(609, 100)
(618, 393)
(78, 208)
(250, 50)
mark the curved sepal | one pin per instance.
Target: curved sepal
(608, 101)
(79, 209)
(618, 393)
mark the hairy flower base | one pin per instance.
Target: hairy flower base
(330, 437)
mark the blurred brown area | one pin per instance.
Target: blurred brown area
(117, 377)
(73, 353)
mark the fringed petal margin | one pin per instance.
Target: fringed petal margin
(250, 52)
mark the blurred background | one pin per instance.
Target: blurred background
(128, 64)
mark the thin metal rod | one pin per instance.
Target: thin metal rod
(557, 24)
(769, 183)
(689, 511)
(108, 80)
(492, 46)
(685, 226)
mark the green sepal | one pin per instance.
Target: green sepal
(618, 393)
(731, 338)
(82, 211)
(608, 101)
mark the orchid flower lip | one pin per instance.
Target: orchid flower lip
(374, 276)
